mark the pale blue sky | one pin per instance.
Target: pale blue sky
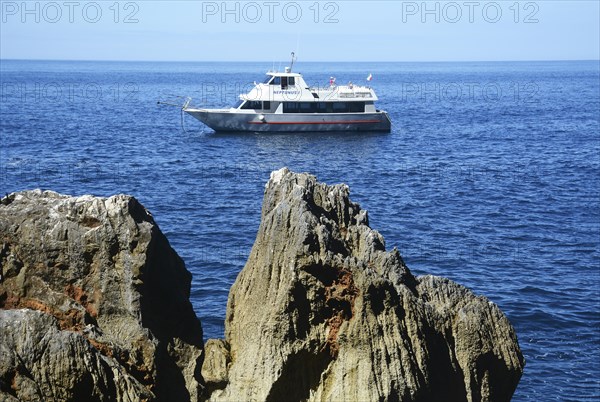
(317, 30)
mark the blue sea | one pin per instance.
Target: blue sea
(490, 176)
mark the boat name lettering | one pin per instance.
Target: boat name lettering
(286, 92)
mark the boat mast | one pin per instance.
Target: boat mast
(293, 59)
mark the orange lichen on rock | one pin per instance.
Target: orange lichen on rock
(81, 297)
(339, 297)
(71, 319)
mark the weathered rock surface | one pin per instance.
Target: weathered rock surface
(322, 312)
(94, 303)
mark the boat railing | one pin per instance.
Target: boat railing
(169, 102)
(186, 102)
(345, 92)
(355, 94)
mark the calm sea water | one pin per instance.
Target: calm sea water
(490, 177)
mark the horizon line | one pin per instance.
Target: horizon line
(304, 61)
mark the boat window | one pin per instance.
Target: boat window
(266, 105)
(340, 107)
(323, 107)
(290, 107)
(346, 107)
(268, 78)
(356, 107)
(302, 107)
(291, 81)
(308, 107)
(252, 105)
(238, 104)
(284, 82)
(276, 81)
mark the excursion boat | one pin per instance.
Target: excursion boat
(283, 102)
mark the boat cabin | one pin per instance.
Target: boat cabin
(287, 92)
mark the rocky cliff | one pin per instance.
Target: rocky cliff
(322, 312)
(94, 303)
(94, 306)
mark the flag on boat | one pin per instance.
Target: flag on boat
(370, 77)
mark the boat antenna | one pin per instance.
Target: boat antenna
(293, 59)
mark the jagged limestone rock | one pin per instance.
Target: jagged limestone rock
(322, 312)
(35, 353)
(94, 305)
(214, 370)
(102, 280)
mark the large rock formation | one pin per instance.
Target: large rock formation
(322, 312)
(94, 303)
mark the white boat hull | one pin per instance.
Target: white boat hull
(226, 120)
